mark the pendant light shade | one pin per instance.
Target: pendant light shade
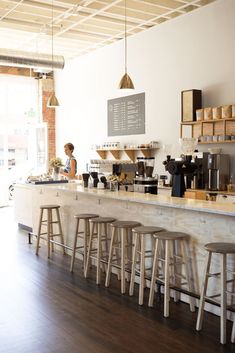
(52, 101)
(126, 81)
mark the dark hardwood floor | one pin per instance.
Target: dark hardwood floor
(45, 309)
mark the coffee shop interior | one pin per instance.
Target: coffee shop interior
(134, 253)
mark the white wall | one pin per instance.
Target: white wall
(195, 50)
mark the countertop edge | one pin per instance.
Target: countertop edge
(158, 200)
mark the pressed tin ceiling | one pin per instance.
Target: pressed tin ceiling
(81, 26)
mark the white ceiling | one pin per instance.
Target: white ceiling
(81, 26)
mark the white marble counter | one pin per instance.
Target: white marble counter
(160, 200)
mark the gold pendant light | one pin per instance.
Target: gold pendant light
(126, 82)
(52, 101)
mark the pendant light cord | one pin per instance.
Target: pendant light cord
(52, 41)
(125, 42)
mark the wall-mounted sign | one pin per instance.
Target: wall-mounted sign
(126, 115)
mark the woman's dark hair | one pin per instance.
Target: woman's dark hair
(70, 146)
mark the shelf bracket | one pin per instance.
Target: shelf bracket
(102, 153)
(131, 154)
(115, 153)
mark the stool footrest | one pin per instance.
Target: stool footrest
(52, 222)
(54, 235)
(213, 296)
(232, 272)
(230, 293)
(231, 306)
(60, 244)
(213, 274)
(101, 260)
(42, 233)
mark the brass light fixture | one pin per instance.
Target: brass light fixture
(52, 101)
(126, 82)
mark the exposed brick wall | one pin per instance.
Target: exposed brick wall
(48, 115)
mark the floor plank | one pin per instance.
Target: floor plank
(45, 309)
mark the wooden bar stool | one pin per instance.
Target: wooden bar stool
(119, 239)
(96, 241)
(84, 235)
(140, 234)
(171, 261)
(52, 219)
(223, 249)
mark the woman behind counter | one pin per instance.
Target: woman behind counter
(70, 168)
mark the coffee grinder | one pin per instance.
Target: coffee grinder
(180, 170)
(144, 181)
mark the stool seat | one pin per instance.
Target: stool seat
(86, 215)
(221, 248)
(102, 220)
(170, 235)
(147, 230)
(49, 207)
(125, 224)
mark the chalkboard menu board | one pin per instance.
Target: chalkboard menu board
(126, 115)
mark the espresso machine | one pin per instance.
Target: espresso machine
(144, 181)
(218, 171)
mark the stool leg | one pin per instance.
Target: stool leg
(134, 255)
(117, 254)
(39, 231)
(142, 270)
(49, 231)
(129, 249)
(104, 247)
(89, 250)
(176, 269)
(60, 229)
(74, 246)
(154, 272)
(99, 252)
(107, 280)
(203, 293)
(223, 289)
(187, 273)
(233, 332)
(85, 239)
(167, 279)
(123, 280)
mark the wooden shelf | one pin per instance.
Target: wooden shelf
(212, 127)
(213, 142)
(205, 121)
(147, 152)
